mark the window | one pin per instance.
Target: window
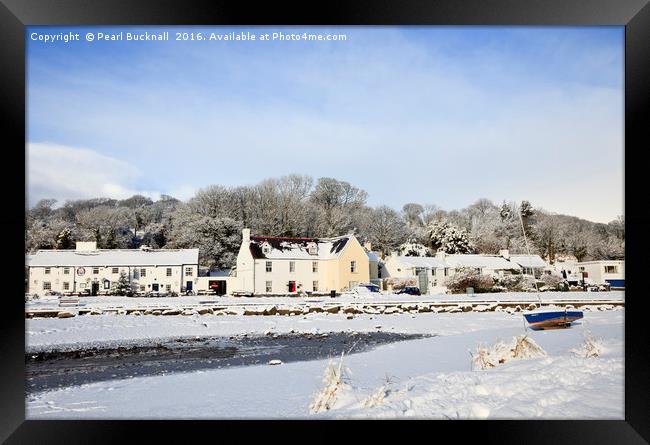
(95, 270)
(142, 288)
(143, 273)
(66, 285)
(269, 286)
(312, 250)
(169, 271)
(314, 286)
(82, 285)
(47, 271)
(168, 287)
(66, 271)
(353, 266)
(47, 285)
(433, 272)
(266, 249)
(611, 269)
(582, 269)
(115, 270)
(269, 266)
(446, 271)
(292, 266)
(107, 284)
(314, 266)
(188, 271)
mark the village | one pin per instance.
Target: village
(283, 266)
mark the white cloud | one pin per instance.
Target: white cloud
(66, 173)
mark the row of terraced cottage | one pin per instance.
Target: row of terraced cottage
(265, 266)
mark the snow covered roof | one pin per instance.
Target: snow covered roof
(481, 261)
(372, 257)
(272, 247)
(420, 261)
(114, 257)
(528, 260)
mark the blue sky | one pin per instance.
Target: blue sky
(435, 115)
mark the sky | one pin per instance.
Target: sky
(433, 115)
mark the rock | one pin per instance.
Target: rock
(268, 332)
(531, 307)
(392, 310)
(378, 326)
(350, 317)
(270, 310)
(284, 311)
(467, 308)
(205, 310)
(315, 309)
(65, 314)
(121, 312)
(333, 309)
(189, 312)
(424, 308)
(156, 312)
(350, 310)
(454, 310)
(96, 312)
(275, 362)
(136, 313)
(171, 312)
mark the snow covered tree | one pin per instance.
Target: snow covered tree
(446, 237)
(385, 229)
(122, 286)
(412, 248)
(64, 239)
(336, 204)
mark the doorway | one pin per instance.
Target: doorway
(94, 289)
(292, 286)
(218, 286)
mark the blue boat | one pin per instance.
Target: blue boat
(552, 319)
(547, 319)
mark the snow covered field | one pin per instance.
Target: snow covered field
(424, 378)
(108, 301)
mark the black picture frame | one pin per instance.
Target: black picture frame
(633, 14)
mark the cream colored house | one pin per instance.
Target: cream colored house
(280, 265)
(88, 269)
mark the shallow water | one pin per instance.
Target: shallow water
(58, 369)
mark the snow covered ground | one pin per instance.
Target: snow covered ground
(109, 301)
(425, 378)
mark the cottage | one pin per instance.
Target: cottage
(92, 270)
(428, 272)
(282, 265)
(610, 272)
(530, 264)
(484, 264)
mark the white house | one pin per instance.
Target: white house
(611, 272)
(485, 264)
(428, 272)
(283, 265)
(88, 269)
(530, 264)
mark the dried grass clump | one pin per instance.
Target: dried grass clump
(591, 347)
(333, 383)
(377, 398)
(521, 348)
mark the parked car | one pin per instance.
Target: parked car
(366, 289)
(410, 290)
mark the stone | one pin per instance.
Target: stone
(65, 314)
(275, 362)
(206, 310)
(171, 312)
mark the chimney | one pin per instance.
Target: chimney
(86, 246)
(505, 253)
(368, 246)
(246, 236)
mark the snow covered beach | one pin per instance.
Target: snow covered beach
(430, 377)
